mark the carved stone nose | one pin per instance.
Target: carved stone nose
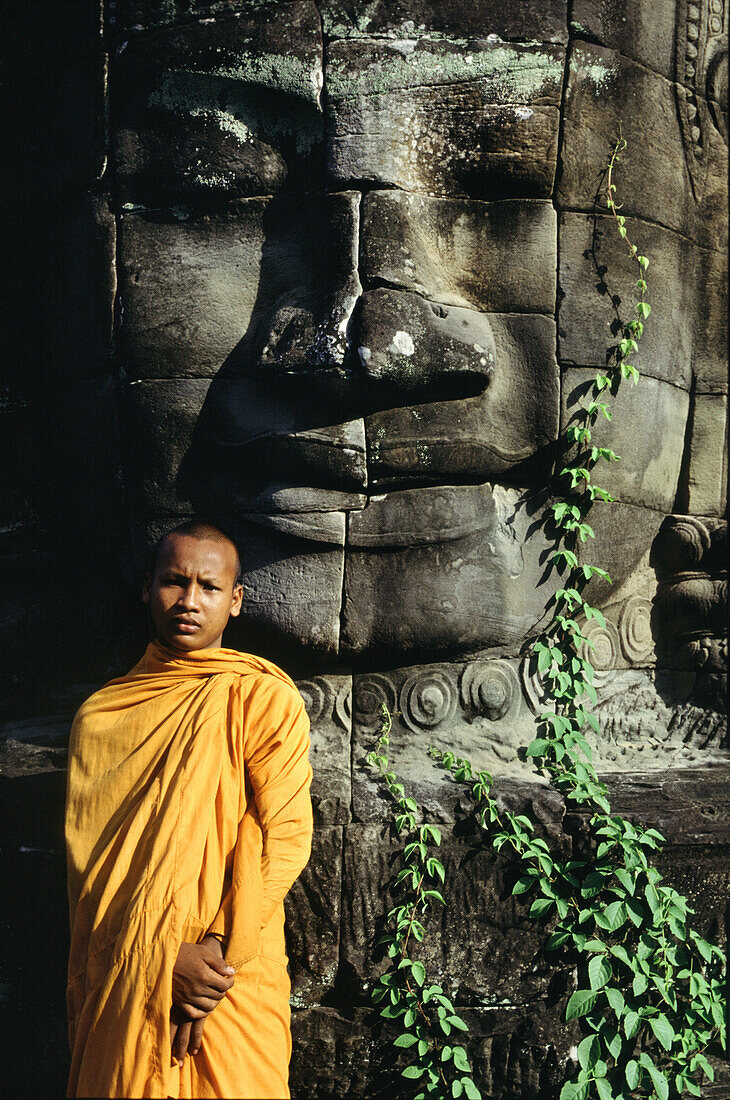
(409, 344)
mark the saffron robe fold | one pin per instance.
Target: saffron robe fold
(188, 810)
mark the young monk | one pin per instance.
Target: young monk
(188, 818)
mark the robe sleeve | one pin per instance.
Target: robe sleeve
(277, 765)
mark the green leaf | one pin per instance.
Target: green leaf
(418, 970)
(633, 1074)
(603, 1088)
(659, 1081)
(614, 1045)
(461, 1062)
(456, 1088)
(470, 1089)
(640, 984)
(407, 1039)
(458, 1023)
(663, 1030)
(413, 1072)
(632, 1023)
(581, 1002)
(599, 972)
(538, 747)
(574, 1090)
(588, 1051)
(616, 1000)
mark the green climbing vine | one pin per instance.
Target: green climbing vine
(438, 1062)
(649, 989)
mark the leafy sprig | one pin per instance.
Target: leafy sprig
(430, 1024)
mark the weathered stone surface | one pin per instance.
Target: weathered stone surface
(624, 533)
(445, 118)
(458, 565)
(482, 709)
(485, 710)
(598, 285)
(706, 491)
(313, 920)
(648, 470)
(333, 1053)
(486, 256)
(328, 700)
(446, 348)
(219, 108)
(604, 89)
(517, 1052)
(232, 450)
(267, 284)
(690, 558)
(509, 427)
(483, 948)
(544, 22)
(709, 344)
(301, 556)
(690, 808)
(643, 32)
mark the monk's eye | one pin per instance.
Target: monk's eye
(211, 588)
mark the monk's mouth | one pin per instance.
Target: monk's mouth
(185, 626)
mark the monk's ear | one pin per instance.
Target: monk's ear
(236, 600)
(147, 588)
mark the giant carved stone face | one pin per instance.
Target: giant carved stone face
(361, 288)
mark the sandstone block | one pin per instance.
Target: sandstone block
(267, 286)
(645, 33)
(482, 948)
(605, 88)
(456, 564)
(218, 108)
(648, 471)
(707, 472)
(598, 285)
(433, 116)
(486, 256)
(224, 445)
(543, 22)
(509, 427)
(313, 920)
(328, 700)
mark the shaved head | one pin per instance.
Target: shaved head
(196, 529)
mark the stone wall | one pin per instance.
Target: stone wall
(331, 273)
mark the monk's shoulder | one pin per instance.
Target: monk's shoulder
(266, 693)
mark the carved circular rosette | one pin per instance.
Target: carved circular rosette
(637, 640)
(343, 705)
(604, 653)
(317, 696)
(370, 693)
(489, 688)
(532, 685)
(427, 699)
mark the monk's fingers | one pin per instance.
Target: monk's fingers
(196, 1036)
(219, 984)
(181, 1042)
(173, 1033)
(201, 1004)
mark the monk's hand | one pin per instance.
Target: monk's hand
(200, 978)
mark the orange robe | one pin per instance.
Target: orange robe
(188, 810)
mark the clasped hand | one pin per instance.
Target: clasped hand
(200, 980)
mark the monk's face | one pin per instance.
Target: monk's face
(193, 592)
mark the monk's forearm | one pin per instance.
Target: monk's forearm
(287, 847)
